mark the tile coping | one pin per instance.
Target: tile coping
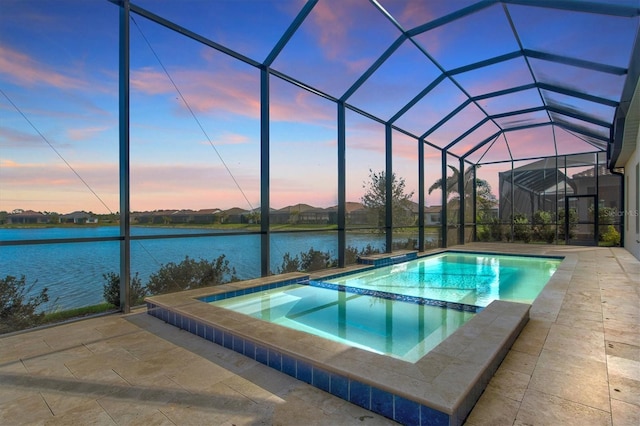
(449, 379)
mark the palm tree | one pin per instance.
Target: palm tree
(451, 182)
(484, 196)
(485, 200)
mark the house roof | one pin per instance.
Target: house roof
(77, 215)
(26, 213)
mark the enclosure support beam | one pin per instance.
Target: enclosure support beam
(342, 179)
(513, 213)
(388, 219)
(474, 202)
(461, 202)
(265, 243)
(556, 216)
(420, 195)
(125, 206)
(596, 174)
(443, 210)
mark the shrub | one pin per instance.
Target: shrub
(611, 236)
(18, 312)
(410, 244)
(573, 223)
(521, 229)
(111, 289)
(351, 255)
(606, 215)
(315, 260)
(190, 274)
(366, 251)
(490, 230)
(543, 228)
(496, 230)
(482, 232)
(289, 264)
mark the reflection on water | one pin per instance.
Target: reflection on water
(400, 329)
(472, 279)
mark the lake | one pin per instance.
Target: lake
(73, 272)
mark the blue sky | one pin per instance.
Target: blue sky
(195, 135)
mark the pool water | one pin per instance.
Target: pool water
(392, 327)
(469, 278)
(403, 310)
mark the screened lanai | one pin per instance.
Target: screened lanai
(266, 136)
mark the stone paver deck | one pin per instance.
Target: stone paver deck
(577, 362)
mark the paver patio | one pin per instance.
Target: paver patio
(576, 362)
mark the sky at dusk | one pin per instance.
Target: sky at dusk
(195, 112)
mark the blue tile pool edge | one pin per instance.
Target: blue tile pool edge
(391, 259)
(255, 289)
(395, 296)
(490, 253)
(379, 401)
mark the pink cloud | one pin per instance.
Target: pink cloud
(12, 138)
(530, 143)
(316, 192)
(54, 187)
(156, 186)
(332, 21)
(212, 92)
(407, 151)
(292, 104)
(415, 12)
(150, 81)
(23, 69)
(204, 91)
(231, 139)
(86, 133)
(8, 163)
(343, 33)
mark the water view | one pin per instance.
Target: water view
(73, 271)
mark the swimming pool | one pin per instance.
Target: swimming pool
(469, 278)
(397, 328)
(399, 310)
(439, 388)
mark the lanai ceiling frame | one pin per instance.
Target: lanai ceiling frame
(489, 119)
(613, 10)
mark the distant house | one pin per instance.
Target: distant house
(608, 185)
(316, 216)
(357, 214)
(183, 216)
(299, 214)
(152, 217)
(542, 186)
(234, 215)
(24, 217)
(79, 218)
(204, 216)
(432, 215)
